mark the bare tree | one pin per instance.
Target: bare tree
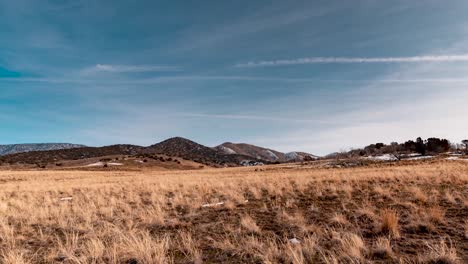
(394, 149)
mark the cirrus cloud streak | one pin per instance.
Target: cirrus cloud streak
(98, 68)
(318, 60)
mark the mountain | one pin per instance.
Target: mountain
(187, 149)
(44, 157)
(252, 151)
(227, 154)
(300, 156)
(19, 148)
(269, 155)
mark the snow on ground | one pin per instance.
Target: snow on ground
(456, 158)
(292, 156)
(384, 157)
(100, 163)
(227, 150)
(412, 155)
(271, 154)
(421, 157)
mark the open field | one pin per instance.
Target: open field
(411, 213)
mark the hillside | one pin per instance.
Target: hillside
(227, 154)
(19, 148)
(44, 157)
(261, 153)
(187, 149)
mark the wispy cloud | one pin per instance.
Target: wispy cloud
(256, 118)
(98, 68)
(214, 78)
(317, 60)
(278, 14)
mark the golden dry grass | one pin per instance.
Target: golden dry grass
(389, 223)
(279, 214)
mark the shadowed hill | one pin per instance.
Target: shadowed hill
(44, 157)
(187, 149)
(227, 154)
(19, 148)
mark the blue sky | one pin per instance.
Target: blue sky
(316, 76)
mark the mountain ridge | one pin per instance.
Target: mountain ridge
(7, 149)
(263, 153)
(188, 149)
(226, 154)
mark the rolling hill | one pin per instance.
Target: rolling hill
(19, 148)
(262, 153)
(44, 157)
(187, 149)
(227, 154)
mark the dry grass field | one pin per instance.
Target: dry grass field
(411, 213)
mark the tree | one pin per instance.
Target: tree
(465, 142)
(395, 149)
(379, 145)
(409, 146)
(437, 145)
(420, 147)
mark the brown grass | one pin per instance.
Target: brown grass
(436, 214)
(383, 248)
(389, 223)
(280, 214)
(440, 252)
(249, 224)
(466, 229)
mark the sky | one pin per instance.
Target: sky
(314, 76)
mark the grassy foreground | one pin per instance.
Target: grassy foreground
(392, 214)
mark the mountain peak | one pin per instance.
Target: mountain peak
(177, 139)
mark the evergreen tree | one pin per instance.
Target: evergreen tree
(420, 147)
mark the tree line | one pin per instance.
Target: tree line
(431, 145)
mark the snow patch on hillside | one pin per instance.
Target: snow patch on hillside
(292, 156)
(226, 150)
(248, 163)
(270, 154)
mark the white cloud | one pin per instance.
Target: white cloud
(439, 115)
(127, 68)
(316, 60)
(390, 112)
